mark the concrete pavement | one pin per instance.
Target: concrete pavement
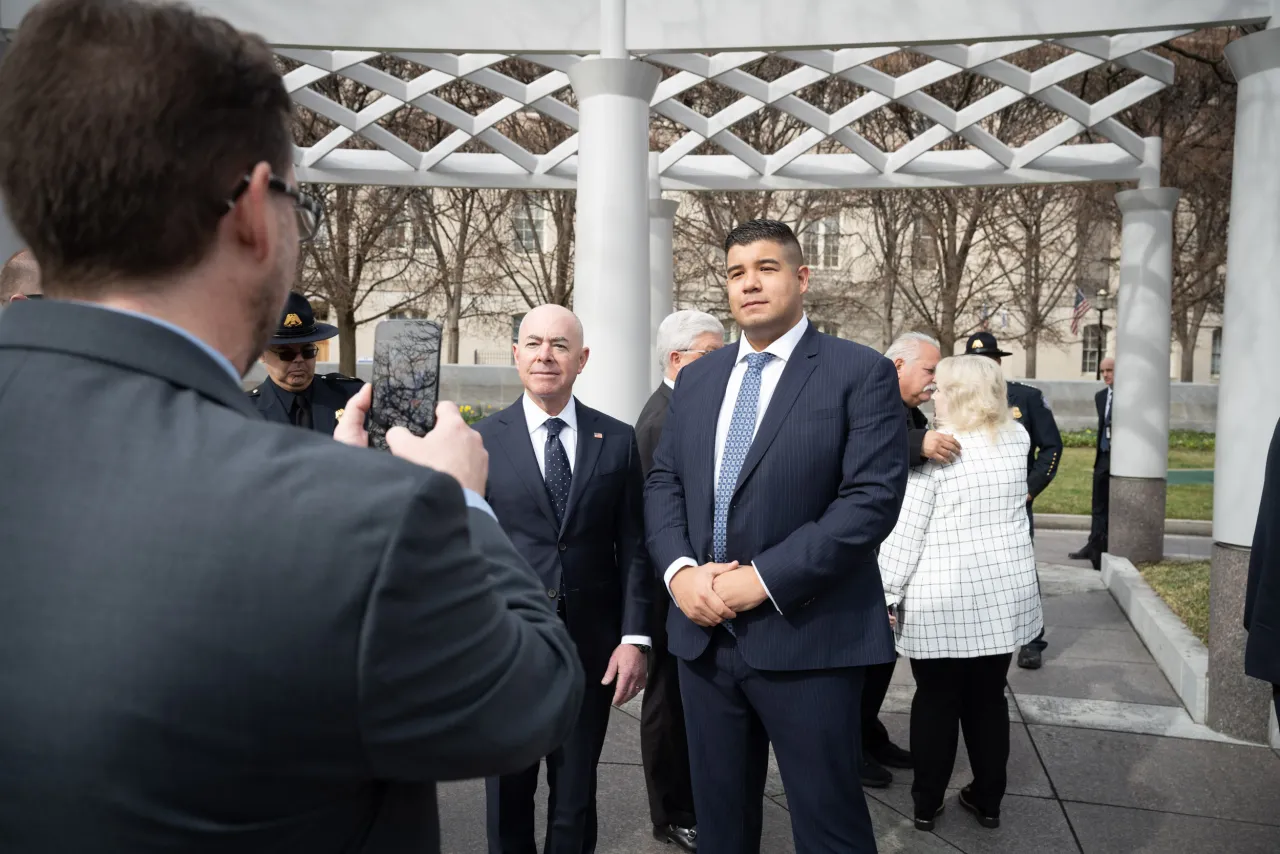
(1104, 759)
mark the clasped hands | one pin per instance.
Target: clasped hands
(715, 592)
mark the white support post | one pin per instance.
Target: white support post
(1140, 413)
(1238, 705)
(662, 215)
(611, 273)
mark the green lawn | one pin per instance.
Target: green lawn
(1072, 489)
(1184, 587)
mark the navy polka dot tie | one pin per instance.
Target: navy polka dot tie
(558, 476)
(742, 429)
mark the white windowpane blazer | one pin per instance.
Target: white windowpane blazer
(959, 564)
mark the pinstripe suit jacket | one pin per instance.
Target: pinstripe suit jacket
(820, 488)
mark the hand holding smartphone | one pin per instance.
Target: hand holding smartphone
(406, 378)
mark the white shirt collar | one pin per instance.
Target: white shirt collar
(668, 382)
(535, 417)
(782, 348)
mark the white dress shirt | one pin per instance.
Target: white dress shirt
(769, 376)
(537, 419)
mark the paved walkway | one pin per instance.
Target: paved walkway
(1104, 759)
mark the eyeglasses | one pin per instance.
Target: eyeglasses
(309, 212)
(289, 354)
(699, 352)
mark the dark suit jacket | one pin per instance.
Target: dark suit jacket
(649, 424)
(219, 634)
(820, 488)
(917, 427)
(1262, 595)
(329, 396)
(1100, 403)
(597, 558)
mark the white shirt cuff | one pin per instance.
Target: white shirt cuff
(676, 565)
(642, 640)
(765, 586)
(475, 500)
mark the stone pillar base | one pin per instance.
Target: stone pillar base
(1239, 705)
(1135, 528)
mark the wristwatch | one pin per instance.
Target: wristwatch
(644, 648)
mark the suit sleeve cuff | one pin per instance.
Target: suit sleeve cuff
(641, 640)
(676, 565)
(766, 587)
(474, 499)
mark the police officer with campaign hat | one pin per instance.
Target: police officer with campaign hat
(292, 393)
(1031, 410)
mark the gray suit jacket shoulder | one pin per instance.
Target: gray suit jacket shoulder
(219, 634)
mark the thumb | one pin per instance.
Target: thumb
(720, 568)
(399, 439)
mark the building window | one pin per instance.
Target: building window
(731, 331)
(821, 243)
(398, 235)
(529, 222)
(1215, 355)
(924, 247)
(1095, 343)
(516, 320)
(406, 314)
(826, 327)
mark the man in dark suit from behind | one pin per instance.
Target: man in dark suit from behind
(1262, 595)
(566, 485)
(1100, 523)
(781, 468)
(202, 648)
(292, 393)
(683, 338)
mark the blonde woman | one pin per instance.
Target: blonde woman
(959, 574)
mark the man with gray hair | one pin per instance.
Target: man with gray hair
(915, 355)
(683, 337)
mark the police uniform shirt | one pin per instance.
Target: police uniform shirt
(328, 395)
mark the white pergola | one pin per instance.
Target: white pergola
(627, 60)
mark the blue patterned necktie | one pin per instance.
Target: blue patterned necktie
(558, 476)
(742, 429)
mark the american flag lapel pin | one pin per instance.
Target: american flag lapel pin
(597, 435)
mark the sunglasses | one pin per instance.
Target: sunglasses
(289, 354)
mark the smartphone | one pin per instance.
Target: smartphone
(406, 378)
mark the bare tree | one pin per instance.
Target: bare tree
(1035, 248)
(452, 226)
(531, 244)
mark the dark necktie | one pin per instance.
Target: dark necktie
(300, 414)
(557, 475)
(1104, 441)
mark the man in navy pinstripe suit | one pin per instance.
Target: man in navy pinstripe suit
(782, 466)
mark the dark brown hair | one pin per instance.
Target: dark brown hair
(766, 229)
(127, 125)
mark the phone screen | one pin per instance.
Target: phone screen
(406, 378)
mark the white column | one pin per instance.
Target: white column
(1247, 412)
(611, 273)
(1140, 410)
(662, 215)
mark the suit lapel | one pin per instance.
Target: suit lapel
(518, 446)
(588, 454)
(799, 367)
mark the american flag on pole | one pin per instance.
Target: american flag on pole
(1081, 308)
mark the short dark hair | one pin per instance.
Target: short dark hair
(766, 229)
(127, 125)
